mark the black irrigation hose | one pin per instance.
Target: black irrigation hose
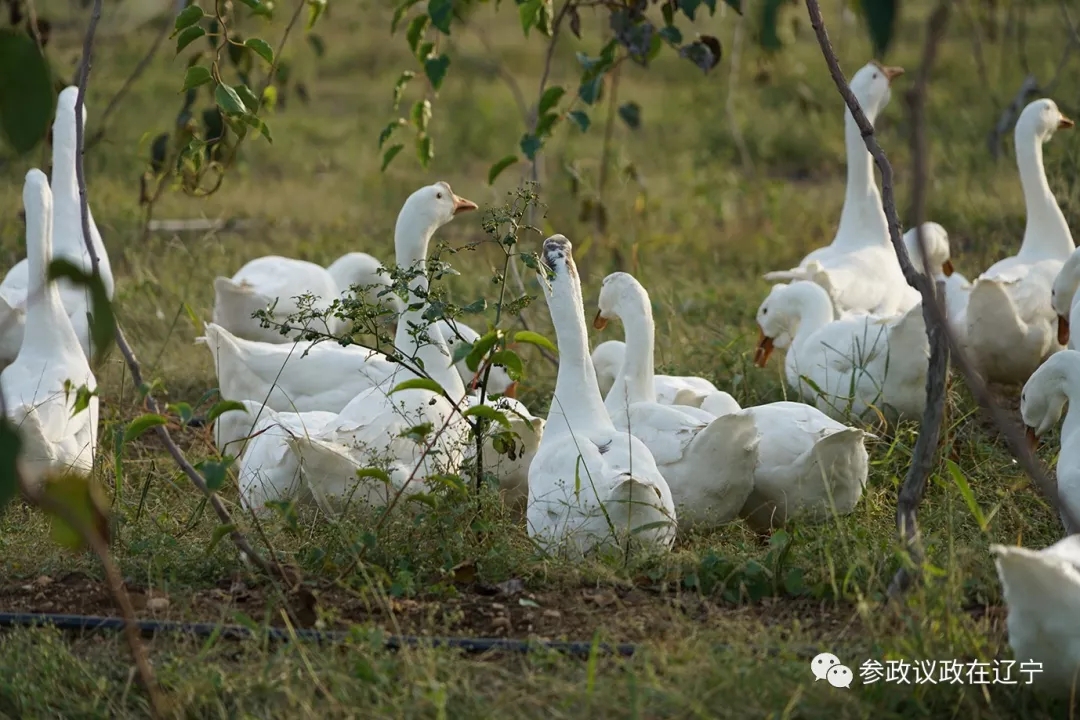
(89, 623)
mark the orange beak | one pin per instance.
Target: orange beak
(462, 205)
(511, 391)
(947, 268)
(890, 72)
(600, 322)
(764, 349)
(1033, 441)
(1065, 123)
(1063, 330)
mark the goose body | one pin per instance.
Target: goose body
(67, 243)
(856, 364)
(957, 287)
(1012, 326)
(50, 361)
(1042, 590)
(589, 484)
(707, 461)
(860, 267)
(687, 390)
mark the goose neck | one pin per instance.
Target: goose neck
(815, 311)
(577, 395)
(1046, 234)
(639, 359)
(862, 219)
(45, 312)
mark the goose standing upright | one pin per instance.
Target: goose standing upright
(859, 266)
(68, 242)
(589, 483)
(36, 386)
(707, 461)
(1010, 316)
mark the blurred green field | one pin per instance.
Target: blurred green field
(697, 225)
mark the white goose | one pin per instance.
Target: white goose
(375, 428)
(36, 385)
(708, 461)
(588, 480)
(1041, 403)
(364, 270)
(1063, 298)
(67, 242)
(688, 390)
(860, 264)
(1042, 590)
(1011, 321)
(862, 362)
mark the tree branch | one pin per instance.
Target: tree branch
(134, 367)
(932, 309)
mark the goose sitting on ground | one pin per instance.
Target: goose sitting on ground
(1042, 590)
(589, 483)
(358, 269)
(860, 264)
(686, 390)
(68, 243)
(38, 386)
(708, 461)
(847, 366)
(1056, 382)
(1011, 319)
(957, 287)
(1063, 298)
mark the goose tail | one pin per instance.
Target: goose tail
(644, 509)
(842, 454)
(727, 448)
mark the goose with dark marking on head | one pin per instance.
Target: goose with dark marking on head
(589, 484)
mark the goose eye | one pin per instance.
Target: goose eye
(764, 311)
(438, 196)
(875, 77)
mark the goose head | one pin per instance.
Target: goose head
(618, 294)
(1062, 293)
(1041, 119)
(424, 212)
(937, 248)
(558, 256)
(775, 323)
(1046, 392)
(871, 86)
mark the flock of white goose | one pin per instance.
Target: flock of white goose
(623, 451)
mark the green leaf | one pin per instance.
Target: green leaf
(261, 48)
(461, 351)
(530, 145)
(498, 167)
(374, 474)
(416, 31)
(390, 154)
(399, 12)
(441, 13)
(229, 102)
(550, 98)
(389, 130)
(544, 125)
(770, 19)
(435, 69)
(141, 424)
(535, 338)
(214, 472)
(420, 115)
(188, 16)
(316, 8)
(418, 384)
(102, 319)
(631, 114)
(510, 362)
(255, 5)
(962, 485)
(589, 90)
(881, 22)
(221, 407)
(26, 91)
(219, 533)
(80, 497)
(529, 14)
(481, 346)
(424, 150)
(251, 103)
(580, 119)
(488, 413)
(10, 447)
(188, 36)
(399, 86)
(82, 399)
(317, 44)
(196, 75)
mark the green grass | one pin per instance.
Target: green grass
(698, 230)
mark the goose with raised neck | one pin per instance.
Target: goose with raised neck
(35, 386)
(635, 382)
(1046, 233)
